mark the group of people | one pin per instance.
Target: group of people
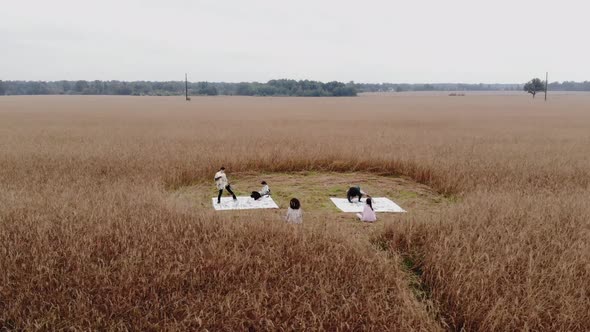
(222, 183)
(294, 212)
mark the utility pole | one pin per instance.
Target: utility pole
(546, 83)
(186, 86)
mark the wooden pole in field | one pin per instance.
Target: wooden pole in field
(186, 86)
(546, 83)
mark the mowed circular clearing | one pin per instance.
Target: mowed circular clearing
(314, 190)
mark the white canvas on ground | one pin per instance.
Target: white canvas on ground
(380, 204)
(244, 203)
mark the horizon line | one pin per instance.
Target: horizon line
(278, 79)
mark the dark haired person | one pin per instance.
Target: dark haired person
(355, 192)
(294, 213)
(264, 191)
(222, 183)
(368, 214)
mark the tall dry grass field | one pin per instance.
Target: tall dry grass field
(90, 239)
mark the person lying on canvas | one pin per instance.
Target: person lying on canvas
(264, 191)
(368, 214)
(222, 183)
(355, 192)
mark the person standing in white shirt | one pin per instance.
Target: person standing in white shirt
(222, 183)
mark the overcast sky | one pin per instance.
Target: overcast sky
(468, 41)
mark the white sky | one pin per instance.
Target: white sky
(256, 40)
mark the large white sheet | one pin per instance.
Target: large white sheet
(380, 204)
(244, 203)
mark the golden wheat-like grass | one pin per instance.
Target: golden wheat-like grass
(88, 240)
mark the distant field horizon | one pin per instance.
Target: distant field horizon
(280, 87)
(445, 93)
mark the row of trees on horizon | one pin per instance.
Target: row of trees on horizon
(283, 87)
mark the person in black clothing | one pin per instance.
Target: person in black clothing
(355, 192)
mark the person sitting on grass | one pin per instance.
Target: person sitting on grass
(265, 191)
(355, 192)
(222, 183)
(294, 213)
(368, 214)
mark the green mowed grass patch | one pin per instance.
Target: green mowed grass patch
(314, 190)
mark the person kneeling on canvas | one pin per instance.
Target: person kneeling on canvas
(368, 214)
(355, 192)
(265, 191)
(294, 213)
(222, 183)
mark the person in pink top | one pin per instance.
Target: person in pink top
(368, 214)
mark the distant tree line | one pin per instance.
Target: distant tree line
(282, 87)
(390, 87)
(569, 86)
(401, 87)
